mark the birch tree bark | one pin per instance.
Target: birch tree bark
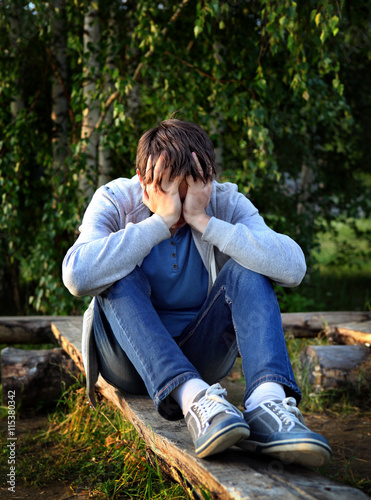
(16, 106)
(15, 13)
(104, 153)
(59, 98)
(89, 136)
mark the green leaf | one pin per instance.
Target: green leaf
(197, 30)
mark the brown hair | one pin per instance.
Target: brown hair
(177, 139)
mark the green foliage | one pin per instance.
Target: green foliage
(282, 89)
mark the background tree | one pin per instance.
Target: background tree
(281, 87)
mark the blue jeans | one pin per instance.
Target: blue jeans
(138, 355)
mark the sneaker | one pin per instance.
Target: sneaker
(278, 430)
(214, 423)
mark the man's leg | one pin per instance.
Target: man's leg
(242, 309)
(128, 330)
(241, 314)
(133, 345)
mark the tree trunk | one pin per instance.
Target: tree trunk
(25, 330)
(104, 153)
(59, 98)
(89, 136)
(16, 106)
(15, 21)
(306, 184)
(350, 333)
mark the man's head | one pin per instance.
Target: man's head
(176, 140)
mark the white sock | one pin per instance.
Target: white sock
(185, 393)
(268, 391)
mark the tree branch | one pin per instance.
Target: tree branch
(206, 75)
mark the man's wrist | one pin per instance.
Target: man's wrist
(199, 222)
(169, 220)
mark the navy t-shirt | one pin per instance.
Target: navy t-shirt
(178, 279)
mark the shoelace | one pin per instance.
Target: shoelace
(290, 412)
(212, 404)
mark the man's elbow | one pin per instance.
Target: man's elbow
(297, 273)
(74, 284)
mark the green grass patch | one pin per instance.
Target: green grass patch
(96, 452)
(346, 247)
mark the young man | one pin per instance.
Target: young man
(181, 268)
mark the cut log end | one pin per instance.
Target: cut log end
(336, 366)
(24, 373)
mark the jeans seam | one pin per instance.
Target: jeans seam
(217, 295)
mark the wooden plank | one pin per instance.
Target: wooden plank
(36, 329)
(350, 333)
(311, 323)
(70, 339)
(231, 475)
(335, 366)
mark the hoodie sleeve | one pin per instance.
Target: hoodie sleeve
(251, 243)
(108, 248)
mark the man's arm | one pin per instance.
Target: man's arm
(250, 242)
(108, 248)
(243, 234)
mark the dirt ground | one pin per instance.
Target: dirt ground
(349, 437)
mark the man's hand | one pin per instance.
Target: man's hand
(197, 200)
(165, 202)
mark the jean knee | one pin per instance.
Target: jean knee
(232, 271)
(136, 280)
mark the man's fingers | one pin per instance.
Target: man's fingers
(197, 161)
(149, 169)
(199, 168)
(159, 172)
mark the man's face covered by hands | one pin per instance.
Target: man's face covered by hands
(178, 200)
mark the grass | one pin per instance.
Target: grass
(96, 452)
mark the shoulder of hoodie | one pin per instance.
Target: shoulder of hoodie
(227, 198)
(124, 193)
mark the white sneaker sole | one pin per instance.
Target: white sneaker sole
(223, 440)
(307, 453)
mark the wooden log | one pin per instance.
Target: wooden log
(27, 329)
(37, 329)
(350, 333)
(309, 324)
(35, 377)
(233, 474)
(335, 366)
